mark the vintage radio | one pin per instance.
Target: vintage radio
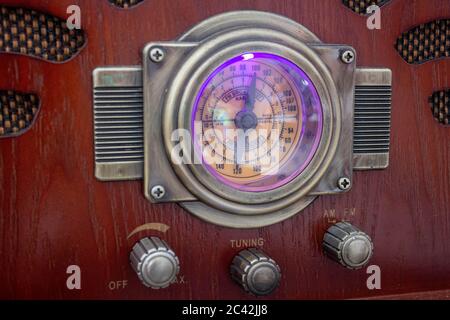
(224, 150)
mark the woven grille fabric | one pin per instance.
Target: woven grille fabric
(425, 42)
(440, 106)
(125, 3)
(360, 6)
(17, 112)
(29, 32)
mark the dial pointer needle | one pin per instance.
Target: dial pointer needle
(251, 95)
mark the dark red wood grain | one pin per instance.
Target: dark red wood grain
(54, 213)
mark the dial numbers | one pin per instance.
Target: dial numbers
(252, 117)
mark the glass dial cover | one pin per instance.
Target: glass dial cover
(257, 122)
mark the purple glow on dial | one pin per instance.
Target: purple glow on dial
(274, 110)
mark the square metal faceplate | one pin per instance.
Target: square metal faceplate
(156, 77)
(157, 166)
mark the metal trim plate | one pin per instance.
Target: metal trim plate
(373, 89)
(118, 132)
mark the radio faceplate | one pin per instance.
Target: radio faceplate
(172, 79)
(56, 214)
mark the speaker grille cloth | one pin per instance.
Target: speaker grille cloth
(360, 6)
(125, 3)
(28, 32)
(440, 106)
(17, 112)
(425, 42)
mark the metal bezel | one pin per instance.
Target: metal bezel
(245, 19)
(219, 217)
(178, 107)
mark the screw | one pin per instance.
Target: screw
(348, 56)
(158, 192)
(157, 55)
(344, 183)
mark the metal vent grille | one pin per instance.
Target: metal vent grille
(372, 119)
(425, 42)
(17, 112)
(360, 6)
(118, 123)
(24, 31)
(125, 3)
(118, 118)
(440, 106)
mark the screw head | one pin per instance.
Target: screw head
(157, 54)
(344, 183)
(158, 192)
(347, 56)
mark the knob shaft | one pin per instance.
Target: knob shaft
(256, 272)
(154, 262)
(347, 245)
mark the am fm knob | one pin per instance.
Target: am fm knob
(347, 245)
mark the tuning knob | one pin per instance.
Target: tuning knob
(347, 245)
(154, 262)
(255, 272)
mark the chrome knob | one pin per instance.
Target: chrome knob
(255, 272)
(347, 245)
(154, 262)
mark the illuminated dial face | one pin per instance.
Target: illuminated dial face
(257, 122)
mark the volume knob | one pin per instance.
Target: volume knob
(154, 262)
(255, 272)
(347, 245)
